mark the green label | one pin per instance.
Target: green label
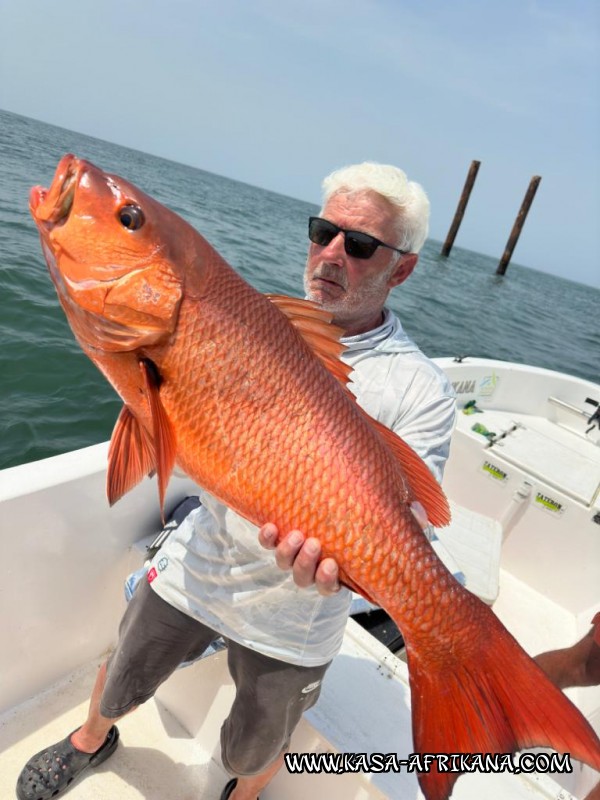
(549, 504)
(494, 471)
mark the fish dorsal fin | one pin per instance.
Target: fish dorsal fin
(165, 447)
(130, 456)
(316, 328)
(423, 485)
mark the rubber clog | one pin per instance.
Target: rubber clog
(51, 771)
(229, 787)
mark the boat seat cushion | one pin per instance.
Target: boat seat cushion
(474, 542)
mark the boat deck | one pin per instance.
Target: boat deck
(169, 747)
(154, 756)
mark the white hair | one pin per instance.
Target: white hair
(392, 184)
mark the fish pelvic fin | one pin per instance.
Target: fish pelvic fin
(496, 699)
(130, 456)
(165, 446)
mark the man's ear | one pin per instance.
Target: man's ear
(403, 269)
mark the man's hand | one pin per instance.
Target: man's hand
(303, 557)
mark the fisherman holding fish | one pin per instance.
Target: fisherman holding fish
(265, 396)
(364, 242)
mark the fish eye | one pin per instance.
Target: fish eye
(131, 217)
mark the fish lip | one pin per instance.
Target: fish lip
(65, 198)
(51, 207)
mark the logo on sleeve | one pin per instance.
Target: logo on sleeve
(311, 687)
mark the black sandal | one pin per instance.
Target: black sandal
(228, 789)
(51, 771)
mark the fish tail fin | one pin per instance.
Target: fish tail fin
(491, 699)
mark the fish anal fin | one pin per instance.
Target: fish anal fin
(316, 328)
(491, 698)
(347, 581)
(165, 446)
(130, 456)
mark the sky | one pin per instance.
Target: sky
(277, 93)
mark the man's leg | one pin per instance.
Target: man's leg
(154, 638)
(250, 787)
(271, 696)
(50, 772)
(94, 730)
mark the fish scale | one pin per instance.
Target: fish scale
(247, 395)
(255, 439)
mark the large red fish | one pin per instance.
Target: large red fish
(255, 409)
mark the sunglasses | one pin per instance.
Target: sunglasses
(356, 244)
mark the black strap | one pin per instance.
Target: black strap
(174, 520)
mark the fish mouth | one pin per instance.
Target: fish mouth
(51, 207)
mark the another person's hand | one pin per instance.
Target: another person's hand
(578, 665)
(303, 557)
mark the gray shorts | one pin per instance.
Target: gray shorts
(271, 695)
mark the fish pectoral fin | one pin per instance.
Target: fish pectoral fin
(315, 326)
(130, 456)
(423, 485)
(165, 445)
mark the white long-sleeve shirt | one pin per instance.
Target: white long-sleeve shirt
(213, 567)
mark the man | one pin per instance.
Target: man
(215, 577)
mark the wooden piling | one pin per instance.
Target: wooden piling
(518, 226)
(460, 209)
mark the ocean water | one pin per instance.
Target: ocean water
(52, 398)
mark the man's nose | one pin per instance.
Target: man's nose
(334, 248)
